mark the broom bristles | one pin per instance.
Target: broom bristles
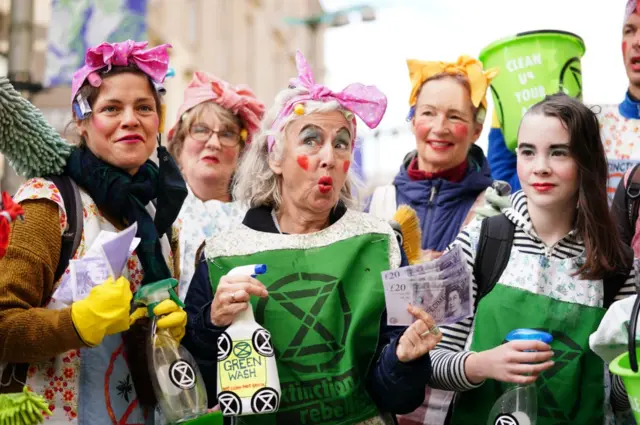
(409, 223)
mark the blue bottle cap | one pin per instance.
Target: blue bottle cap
(530, 335)
(261, 269)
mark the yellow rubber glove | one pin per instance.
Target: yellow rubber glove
(105, 311)
(171, 317)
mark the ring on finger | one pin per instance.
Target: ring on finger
(433, 330)
(233, 297)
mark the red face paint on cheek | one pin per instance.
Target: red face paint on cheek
(303, 162)
(460, 131)
(346, 165)
(422, 131)
(103, 127)
(624, 49)
(98, 123)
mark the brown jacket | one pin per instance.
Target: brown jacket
(30, 332)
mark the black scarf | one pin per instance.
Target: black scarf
(125, 197)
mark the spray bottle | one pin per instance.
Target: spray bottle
(519, 403)
(248, 381)
(175, 376)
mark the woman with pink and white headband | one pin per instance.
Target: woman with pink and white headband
(82, 352)
(214, 126)
(322, 296)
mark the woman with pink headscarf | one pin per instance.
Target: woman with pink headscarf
(214, 124)
(321, 298)
(79, 349)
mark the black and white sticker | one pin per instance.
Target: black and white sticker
(506, 419)
(265, 400)
(262, 342)
(224, 346)
(230, 403)
(182, 375)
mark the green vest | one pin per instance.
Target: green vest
(323, 311)
(572, 391)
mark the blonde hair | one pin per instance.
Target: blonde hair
(226, 117)
(256, 183)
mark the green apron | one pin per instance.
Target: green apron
(572, 391)
(323, 311)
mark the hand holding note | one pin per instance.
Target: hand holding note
(107, 257)
(441, 288)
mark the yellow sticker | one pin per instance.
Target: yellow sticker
(244, 371)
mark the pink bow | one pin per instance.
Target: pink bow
(240, 100)
(367, 102)
(154, 62)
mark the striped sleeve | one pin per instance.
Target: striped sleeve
(449, 356)
(619, 399)
(629, 287)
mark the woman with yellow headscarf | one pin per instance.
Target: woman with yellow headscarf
(445, 178)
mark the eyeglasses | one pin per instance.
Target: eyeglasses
(203, 134)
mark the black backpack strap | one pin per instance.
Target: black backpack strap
(632, 204)
(494, 251)
(632, 207)
(615, 282)
(73, 235)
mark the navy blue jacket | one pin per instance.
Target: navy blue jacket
(395, 387)
(442, 205)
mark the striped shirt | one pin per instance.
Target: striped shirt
(448, 358)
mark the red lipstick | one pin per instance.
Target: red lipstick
(543, 187)
(325, 184)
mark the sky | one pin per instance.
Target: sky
(375, 53)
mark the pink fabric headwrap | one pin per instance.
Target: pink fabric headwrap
(240, 100)
(367, 102)
(154, 62)
(630, 9)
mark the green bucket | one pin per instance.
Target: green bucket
(621, 366)
(626, 364)
(532, 64)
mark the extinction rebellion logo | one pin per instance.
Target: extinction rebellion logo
(314, 346)
(309, 316)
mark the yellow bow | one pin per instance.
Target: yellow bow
(479, 79)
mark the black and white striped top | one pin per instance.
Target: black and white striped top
(449, 356)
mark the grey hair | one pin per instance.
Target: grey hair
(256, 184)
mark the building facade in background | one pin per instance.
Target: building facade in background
(241, 41)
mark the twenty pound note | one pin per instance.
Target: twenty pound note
(441, 287)
(107, 256)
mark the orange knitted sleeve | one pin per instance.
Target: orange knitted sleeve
(29, 332)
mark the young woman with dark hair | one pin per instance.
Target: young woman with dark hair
(565, 250)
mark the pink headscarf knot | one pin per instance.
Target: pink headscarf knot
(367, 102)
(240, 100)
(154, 62)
